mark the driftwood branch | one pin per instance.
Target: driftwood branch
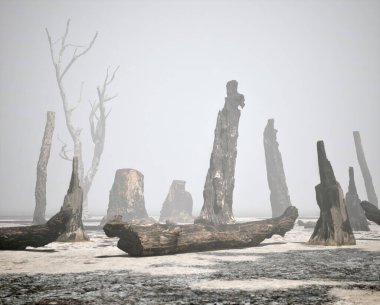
(371, 212)
(18, 238)
(162, 239)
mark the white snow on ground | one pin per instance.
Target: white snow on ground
(101, 253)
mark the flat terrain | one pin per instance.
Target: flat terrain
(279, 271)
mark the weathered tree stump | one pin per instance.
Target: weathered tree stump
(73, 201)
(279, 195)
(220, 180)
(162, 239)
(371, 194)
(333, 226)
(40, 191)
(178, 205)
(127, 198)
(371, 212)
(355, 212)
(18, 238)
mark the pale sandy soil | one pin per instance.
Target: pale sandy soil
(278, 264)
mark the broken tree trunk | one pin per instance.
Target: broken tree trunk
(127, 198)
(279, 195)
(355, 212)
(178, 205)
(333, 226)
(18, 238)
(371, 194)
(73, 201)
(40, 191)
(371, 212)
(220, 180)
(160, 239)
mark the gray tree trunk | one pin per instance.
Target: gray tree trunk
(333, 226)
(220, 180)
(178, 205)
(74, 202)
(371, 194)
(127, 198)
(160, 239)
(355, 212)
(40, 191)
(279, 195)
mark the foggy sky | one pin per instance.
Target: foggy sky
(313, 66)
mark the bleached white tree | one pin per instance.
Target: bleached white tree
(97, 117)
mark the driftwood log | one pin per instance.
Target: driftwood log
(371, 212)
(18, 238)
(162, 239)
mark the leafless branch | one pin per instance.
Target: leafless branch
(63, 152)
(75, 56)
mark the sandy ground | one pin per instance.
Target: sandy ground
(279, 271)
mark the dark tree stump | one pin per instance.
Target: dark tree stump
(74, 202)
(160, 239)
(371, 212)
(279, 195)
(220, 180)
(18, 238)
(355, 212)
(40, 191)
(127, 198)
(370, 189)
(178, 205)
(333, 226)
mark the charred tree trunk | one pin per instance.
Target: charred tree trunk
(127, 198)
(220, 180)
(18, 238)
(73, 201)
(371, 212)
(40, 191)
(178, 205)
(371, 194)
(355, 212)
(333, 226)
(159, 239)
(279, 195)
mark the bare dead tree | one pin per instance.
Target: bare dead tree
(98, 113)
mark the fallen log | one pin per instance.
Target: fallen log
(306, 224)
(162, 239)
(18, 238)
(371, 212)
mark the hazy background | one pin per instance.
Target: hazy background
(313, 66)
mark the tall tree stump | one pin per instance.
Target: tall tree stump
(333, 226)
(371, 194)
(73, 201)
(40, 191)
(279, 195)
(178, 205)
(355, 212)
(126, 198)
(220, 180)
